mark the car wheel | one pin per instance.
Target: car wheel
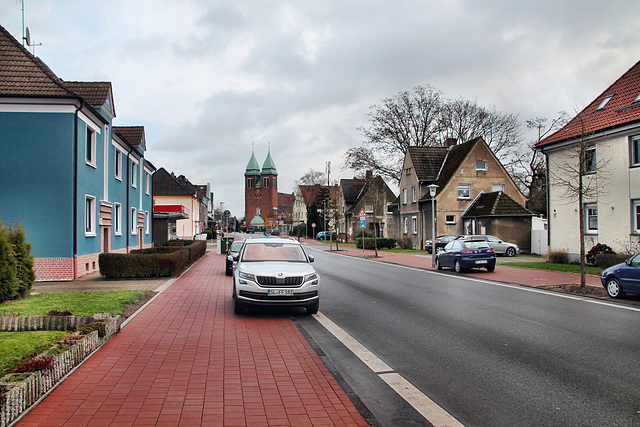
(313, 309)
(491, 269)
(237, 307)
(457, 267)
(438, 265)
(613, 288)
(510, 251)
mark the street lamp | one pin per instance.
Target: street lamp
(432, 192)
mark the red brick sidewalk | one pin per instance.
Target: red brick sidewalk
(187, 360)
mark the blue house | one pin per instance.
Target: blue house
(79, 185)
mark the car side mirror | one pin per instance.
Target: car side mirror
(311, 258)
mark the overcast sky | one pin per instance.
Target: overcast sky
(209, 78)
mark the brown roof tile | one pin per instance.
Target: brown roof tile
(95, 93)
(134, 135)
(496, 203)
(620, 110)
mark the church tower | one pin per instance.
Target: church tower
(260, 191)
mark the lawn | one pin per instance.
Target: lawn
(15, 345)
(549, 266)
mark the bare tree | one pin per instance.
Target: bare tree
(578, 174)
(312, 177)
(423, 117)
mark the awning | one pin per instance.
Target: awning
(170, 212)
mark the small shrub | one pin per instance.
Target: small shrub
(9, 314)
(558, 256)
(607, 260)
(39, 363)
(598, 249)
(96, 326)
(59, 313)
(405, 243)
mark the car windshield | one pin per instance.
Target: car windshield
(236, 246)
(273, 252)
(473, 244)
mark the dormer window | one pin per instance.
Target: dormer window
(604, 103)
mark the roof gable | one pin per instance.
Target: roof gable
(427, 161)
(134, 135)
(165, 184)
(98, 94)
(496, 203)
(622, 108)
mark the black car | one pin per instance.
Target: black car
(441, 242)
(235, 249)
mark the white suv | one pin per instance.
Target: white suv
(274, 272)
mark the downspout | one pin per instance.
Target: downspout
(75, 191)
(128, 232)
(548, 197)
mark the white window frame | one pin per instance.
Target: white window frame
(634, 154)
(462, 187)
(134, 221)
(590, 212)
(414, 225)
(146, 222)
(404, 196)
(481, 165)
(118, 165)
(90, 147)
(134, 173)
(635, 205)
(590, 166)
(497, 187)
(406, 225)
(89, 216)
(450, 219)
(147, 183)
(117, 219)
(368, 208)
(414, 195)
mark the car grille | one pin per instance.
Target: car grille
(265, 297)
(280, 282)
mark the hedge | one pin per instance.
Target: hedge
(382, 243)
(16, 263)
(608, 260)
(154, 262)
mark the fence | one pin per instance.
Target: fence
(21, 395)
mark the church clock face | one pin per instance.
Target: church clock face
(258, 192)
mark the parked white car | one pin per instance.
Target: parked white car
(274, 272)
(501, 247)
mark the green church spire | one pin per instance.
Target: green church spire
(253, 168)
(269, 167)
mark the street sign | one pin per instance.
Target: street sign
(362, 213)
(313, 225)
(227, 214)
(363, 223)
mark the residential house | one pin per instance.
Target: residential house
(369, 195)
(608, 130)
(77, 186)
(304, 198)
(177, 195)
(462, 172)
(284, 218)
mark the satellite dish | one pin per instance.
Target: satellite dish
(28, 37)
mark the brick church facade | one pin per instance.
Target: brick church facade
(260, 193)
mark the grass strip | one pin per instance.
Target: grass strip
(15, 345)
(549, 266)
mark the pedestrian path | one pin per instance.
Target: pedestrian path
(187, 360)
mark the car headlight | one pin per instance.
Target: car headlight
(311, 276)
(247, 276)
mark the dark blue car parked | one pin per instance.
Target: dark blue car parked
(467, 253)
(622, 278)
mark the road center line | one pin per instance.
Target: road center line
(414, 397)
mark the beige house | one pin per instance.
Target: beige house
(462, 172)
(369, 195)
(608, 129)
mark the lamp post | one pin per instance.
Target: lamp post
(432, 192)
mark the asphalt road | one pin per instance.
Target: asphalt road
(488, 354)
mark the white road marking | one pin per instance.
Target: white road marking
(418, 400)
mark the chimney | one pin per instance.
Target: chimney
(369, 175)
(450, 142)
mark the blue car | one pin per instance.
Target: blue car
(622, 278)
(325, 235)
(467, 253)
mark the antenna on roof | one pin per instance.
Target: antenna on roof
(28, 39)
(26, 35)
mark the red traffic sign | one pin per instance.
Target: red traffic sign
(362, 213)
(313, 225)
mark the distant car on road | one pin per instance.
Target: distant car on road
(622, 278)
(325, 235)
(277, 272)
(501, 247)
(233, 250)
(250, 230)
(462, 254)
(441, 242)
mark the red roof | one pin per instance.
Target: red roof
(623, 108)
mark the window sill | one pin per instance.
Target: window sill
(92, 234)
(93, 165)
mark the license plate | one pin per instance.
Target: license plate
(481, 261)
(280, 292)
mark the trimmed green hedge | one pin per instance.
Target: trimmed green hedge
(154, 262)
(382, 243)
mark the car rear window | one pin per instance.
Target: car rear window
(273, 252)
(476, 244)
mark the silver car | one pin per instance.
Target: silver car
(274, 272)
(501, 247)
